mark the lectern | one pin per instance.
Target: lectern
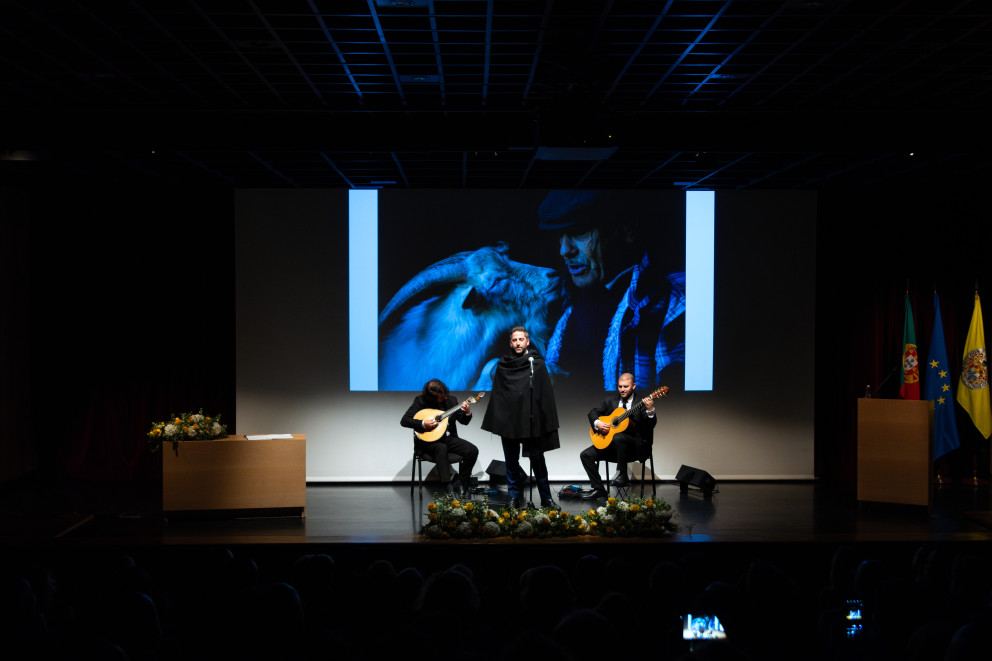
(235, 473)
(895, 451)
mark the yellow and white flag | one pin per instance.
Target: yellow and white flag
(973, 386)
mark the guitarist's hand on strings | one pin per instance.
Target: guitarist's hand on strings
(602, 427)
(430, 423)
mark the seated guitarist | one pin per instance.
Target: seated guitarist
(436, 396)
(632, 444)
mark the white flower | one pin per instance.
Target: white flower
(601, 510)
(525, 528)
(623, 505)
(607, 518)
(215, 429)
(664, 515)
(432, 531)
(492, 514)
(464, 529)
(197, 417)
(490, 529)
(542, 519)
(458, 511)
(170, 429)
(641, 517)
(191, 432)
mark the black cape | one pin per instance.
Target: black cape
(509, 413)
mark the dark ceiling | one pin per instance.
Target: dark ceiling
(510, 93)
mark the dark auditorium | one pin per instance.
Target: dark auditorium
(478, 330)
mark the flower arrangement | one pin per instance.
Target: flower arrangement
(185, 427)
(634, 517)
(448, 517)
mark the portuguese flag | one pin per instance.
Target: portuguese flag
(909, 384)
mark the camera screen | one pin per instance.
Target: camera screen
(702, 627)
(854, 607)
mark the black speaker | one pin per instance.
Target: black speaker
(697, 477)
(497, 472)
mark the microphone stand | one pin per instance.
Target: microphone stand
(882, 382)
(532, 441)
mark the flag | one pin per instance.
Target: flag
(973, 387)
(938, 389)
(909, 383)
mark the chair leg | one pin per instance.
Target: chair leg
(413, 474)
(654, 492)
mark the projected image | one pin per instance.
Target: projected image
(460, 308)
(597, 277)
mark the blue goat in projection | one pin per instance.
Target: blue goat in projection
(473, 300)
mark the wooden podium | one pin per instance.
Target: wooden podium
(234, 473)
(895, 451)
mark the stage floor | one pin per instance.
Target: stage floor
(387, 514)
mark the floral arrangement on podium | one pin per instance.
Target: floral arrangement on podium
(185, 427)
(451, 518)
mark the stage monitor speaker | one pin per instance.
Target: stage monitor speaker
(696, 477)
(497, 472)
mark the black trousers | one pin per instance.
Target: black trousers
(623, 449)
(438, 453)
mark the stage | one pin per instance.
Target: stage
(337, 514)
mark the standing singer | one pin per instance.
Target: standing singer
(524, 415)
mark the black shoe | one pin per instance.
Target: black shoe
(595, 494)
(551, 504)
(621, 481)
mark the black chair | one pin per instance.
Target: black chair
(621, 492)
(417, 469)
(654, 478)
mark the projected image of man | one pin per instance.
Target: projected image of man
(623, 309)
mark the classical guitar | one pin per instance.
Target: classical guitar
(441, 417)
(619, 419)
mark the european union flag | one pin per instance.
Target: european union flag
(938, 389)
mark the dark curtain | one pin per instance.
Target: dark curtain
(132, 317)
(871, 247)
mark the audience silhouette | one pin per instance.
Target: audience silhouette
(256, 603)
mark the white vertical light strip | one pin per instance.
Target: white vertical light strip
(363, 288)
(699, 264)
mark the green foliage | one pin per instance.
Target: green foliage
(451, 518)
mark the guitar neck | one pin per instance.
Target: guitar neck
(634, 408)
(453, 410)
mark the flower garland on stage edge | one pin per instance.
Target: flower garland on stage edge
(451, 518)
